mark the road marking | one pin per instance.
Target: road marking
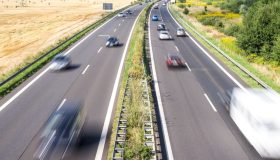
(48, 68)
(188, 66)
(211, 104)
(64, 153)
(162, 116)
(85, 69)
(123, 20)
(115, 29)
(119, 24)
(61, 104)
(177, 48)
(46, 147)
(103, 136)
(210, 57)
(99, 50)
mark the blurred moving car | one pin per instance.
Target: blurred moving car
(175, 60)
(60, 62)
(156, 6)
(161, 27)
(121, 14)
(256, 112)
(181, 32)
(164, 4)
(154, 18)
(61, 130)
(164, 35)
(128, 11)
(112, 41)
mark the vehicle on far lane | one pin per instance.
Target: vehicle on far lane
(62, 129)
(128, 11)
(161, 27)
(60, 62)
(156, 6)
(155, 18)
(164, 35)
(181, 32)
(112, 42)
(121, 14)
(175, 61)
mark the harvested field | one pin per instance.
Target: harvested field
(28, 27)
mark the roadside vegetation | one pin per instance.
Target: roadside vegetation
(133, 75)
(248, 31)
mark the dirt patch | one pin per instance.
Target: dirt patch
(28, 27)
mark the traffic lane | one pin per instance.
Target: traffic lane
(179, 98)
(201, 63)
(106, 62)
(213, 81)
(30, 129)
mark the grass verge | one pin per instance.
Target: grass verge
(33, 64)
(182, 19)
(133, 74)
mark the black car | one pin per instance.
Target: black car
(128, 12)
(161, 27)
(112, 41)
(62, 129)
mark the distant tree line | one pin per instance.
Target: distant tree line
(259, 33)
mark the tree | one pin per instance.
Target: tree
(261, 27)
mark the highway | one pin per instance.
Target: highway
(198, 125)
(91, 79)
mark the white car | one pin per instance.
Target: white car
(60, 62)
(121, 14)
(164, 4)
(164, 35)
(181, 32)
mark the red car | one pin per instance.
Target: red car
(175, 60)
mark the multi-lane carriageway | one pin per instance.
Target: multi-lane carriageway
(194, 123)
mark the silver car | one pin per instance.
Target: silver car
(181, 32)
(164, 35)
(121, 14)
(60, 62)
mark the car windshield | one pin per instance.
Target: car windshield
(174, 57)
(60, 58)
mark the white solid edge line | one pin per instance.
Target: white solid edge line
(115, 29)
(188, 66)
(210, 57)
(99, 49)
(176, 48)
(211, 104)
(161, 111)
(43, 72)
(61, 104)
(85, 69)
(103, 136)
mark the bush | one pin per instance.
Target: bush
(232, 30)
(186, 11)
(181, 6)
(211, 21)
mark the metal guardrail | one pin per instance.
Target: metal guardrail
(260, 82)
(66, 41)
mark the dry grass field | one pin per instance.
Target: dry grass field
(29, 26)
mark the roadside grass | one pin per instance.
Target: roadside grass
(133, 74)
(45, 56)
(228, 46)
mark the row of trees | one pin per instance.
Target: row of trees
(260, 31)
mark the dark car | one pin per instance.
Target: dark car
(161, 27)
(112, 41)
(175, 60)
(154, 18)
(62, 129)
(128, 12)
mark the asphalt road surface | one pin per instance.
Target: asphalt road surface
(90, 79)
(198, 125)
